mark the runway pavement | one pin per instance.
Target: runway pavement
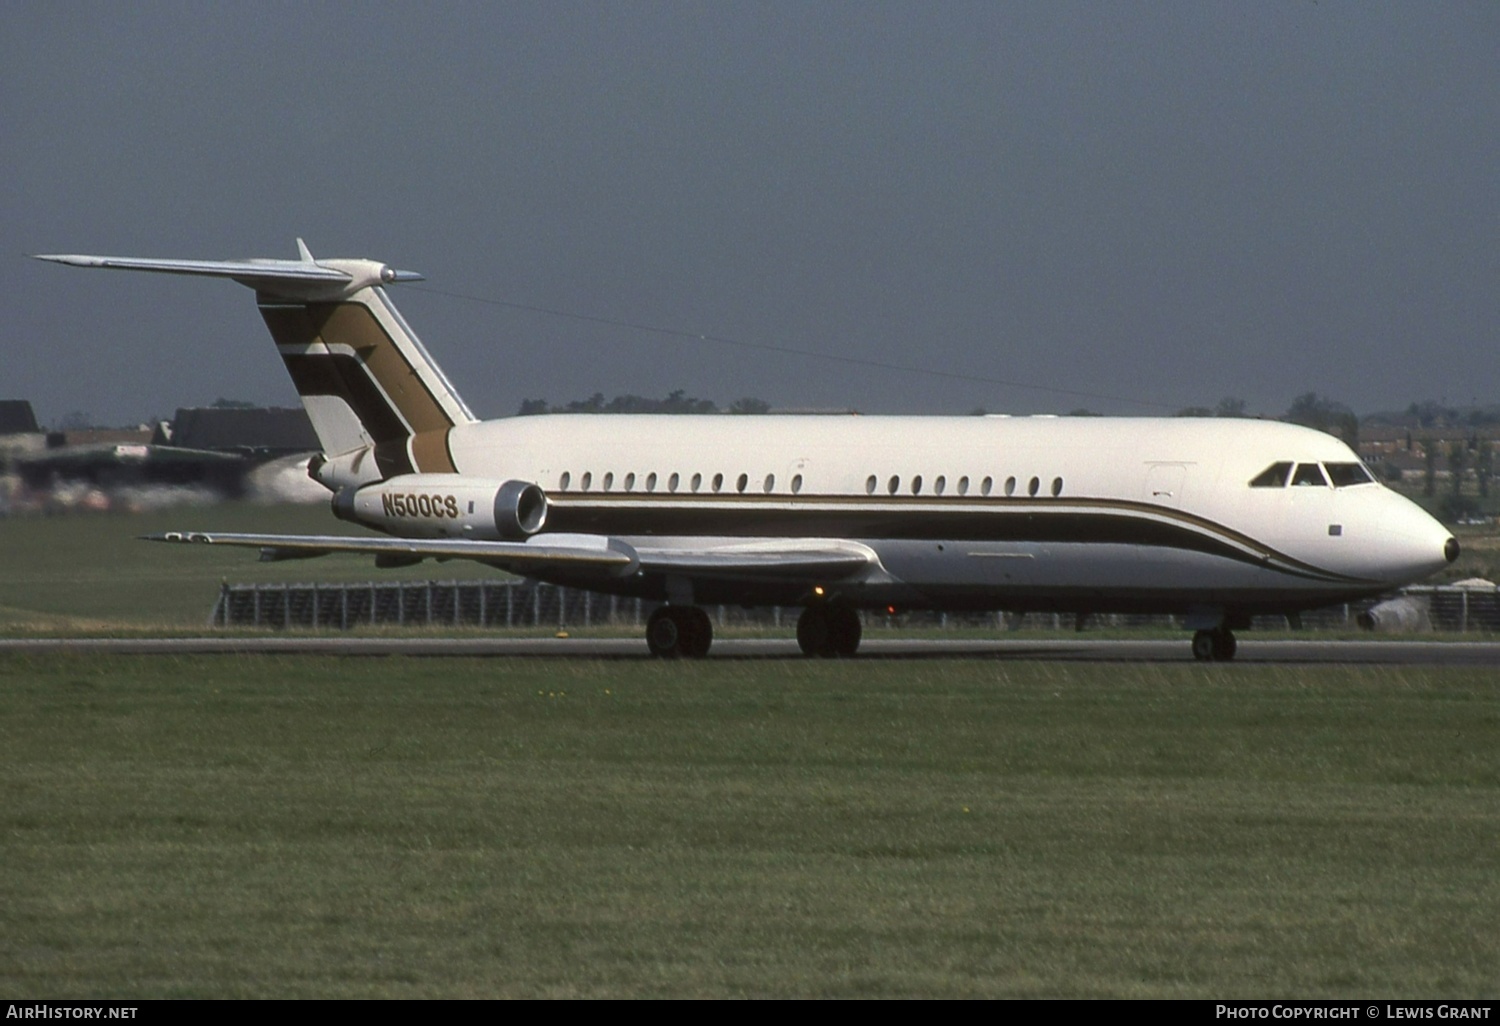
(1374, 652)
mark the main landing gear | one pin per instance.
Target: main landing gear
(1215, 646)
(824, 631)
(829, 631)
(675, 632)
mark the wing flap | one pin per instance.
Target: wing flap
(828, 559)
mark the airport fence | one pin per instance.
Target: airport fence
(516, 603)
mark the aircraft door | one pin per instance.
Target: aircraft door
(1165, 483)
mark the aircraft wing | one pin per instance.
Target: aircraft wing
(572, 553)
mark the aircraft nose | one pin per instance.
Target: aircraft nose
(1414, 544)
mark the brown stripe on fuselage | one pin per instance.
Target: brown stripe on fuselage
(1040, 521)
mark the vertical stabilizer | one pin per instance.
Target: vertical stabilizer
(379, 403)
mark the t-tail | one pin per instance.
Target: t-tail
(380, 405)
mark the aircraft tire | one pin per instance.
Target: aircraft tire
(698, 632)
(664, 633)
(1224, 645)
(678, 632)
(844, 631)
(814, 632)
(1215, 646)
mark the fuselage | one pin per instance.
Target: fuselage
(1074, 513)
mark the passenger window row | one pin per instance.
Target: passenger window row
(915, 484)
(895, 485)
(674, 482)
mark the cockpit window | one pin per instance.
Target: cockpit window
(1309, 474)
(1273, 476)
(1345, 474)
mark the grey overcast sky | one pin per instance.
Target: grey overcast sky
(1163, 203)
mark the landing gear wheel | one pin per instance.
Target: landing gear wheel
(844, 631)
(698, 632)
(664, 633)
(1216, 646)
(812, 632)
(679, 631)
(829, 632)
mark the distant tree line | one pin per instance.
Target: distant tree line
(675, 402)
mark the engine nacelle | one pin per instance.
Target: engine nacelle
(446, 506)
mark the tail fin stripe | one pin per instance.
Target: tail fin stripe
(353, 325)
(338, 375)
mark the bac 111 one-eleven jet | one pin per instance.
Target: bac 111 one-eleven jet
(1212, 520)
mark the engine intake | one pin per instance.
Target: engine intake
(446, 506)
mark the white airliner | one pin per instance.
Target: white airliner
(1214, 520)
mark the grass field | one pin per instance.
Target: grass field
(445, 827)
(90, 574)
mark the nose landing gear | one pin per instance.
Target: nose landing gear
(1215, 646)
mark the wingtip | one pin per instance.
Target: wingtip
(73, 259)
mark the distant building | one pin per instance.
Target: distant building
(201, 455)
(19, 433)
(265, 433)
(17, 418)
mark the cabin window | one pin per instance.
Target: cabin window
(796, 484)
(1010, 486)
(870, 484)
(893, 485)
(1273, 476)
(1056, 487)
(697, 481)
(963, 486)
(718, 482)
(939, 484)
(1034, 486)
(672, 482)
(630, 481)
(1345, 474)
(651, 481)
(566, 480)
(588, 480)
(609, 480)
(986, 486)
(770, 485)
(916, 485)
(1308, 475)
(742, 483)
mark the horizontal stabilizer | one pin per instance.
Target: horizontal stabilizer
(258, 274)
(246, 271)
